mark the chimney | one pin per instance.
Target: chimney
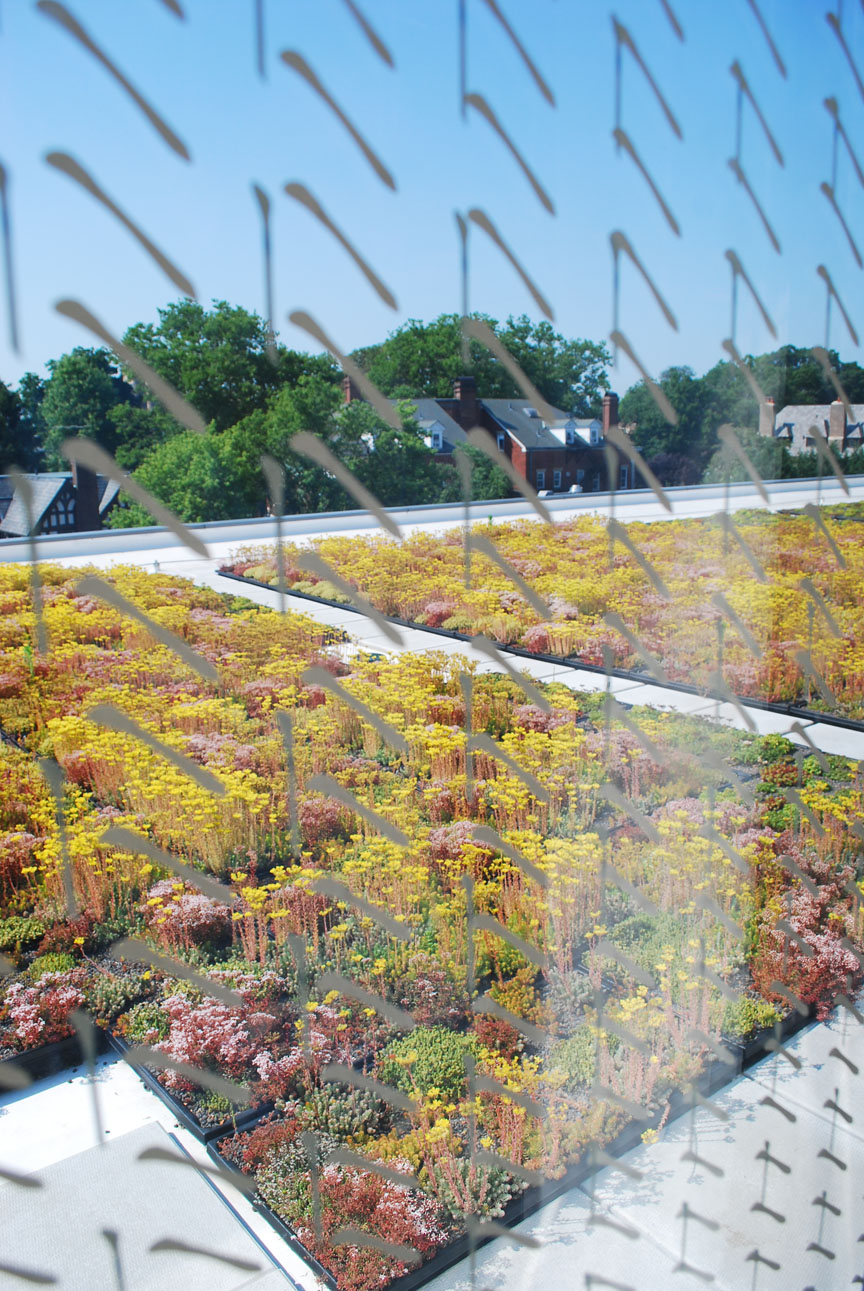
(349, 390)
(610, 411)
(86, 488)
(837, 424)
(465, 394)
(766, 419)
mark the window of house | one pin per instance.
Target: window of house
(556, 479)
(580, 476)
(596, 485)
(541, 479)
(502, 440)
(622, 477)
(437, 440)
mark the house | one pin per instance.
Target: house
(558, 455)
(440, 431)
(793, 425)
(61, 502)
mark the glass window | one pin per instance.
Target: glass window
(622, 478)
(541, 479)
(556, 479)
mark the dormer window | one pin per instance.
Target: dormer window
(502, 440)
(437, 441)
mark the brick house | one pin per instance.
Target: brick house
(555, 456)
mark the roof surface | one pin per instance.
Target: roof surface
(531, 432)
(429, 410)
(46, 487)
(810, 412)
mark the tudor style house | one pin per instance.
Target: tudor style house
(60, 502)
(559, 455)
(793, 425)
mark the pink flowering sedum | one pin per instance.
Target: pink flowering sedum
(39, 1014)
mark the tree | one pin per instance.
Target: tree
(674, 469)
(82, 391)
(193, 476)
(10, 417)
(488, 481)
(770, 457)
(653, 434)
(570, 374)
(723, 396)
(218, 359)
(424, 359)
(138, 431)
(395, 464)
(30, 435)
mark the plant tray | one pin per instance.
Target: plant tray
(49, 1059)
(714, 1077)
(244, 1120)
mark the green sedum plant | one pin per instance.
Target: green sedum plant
(146, 1023)
(54, 962)
(19, 931)
(428, 1058)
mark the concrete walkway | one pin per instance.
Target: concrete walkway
(55, 1122)
(111, 1218)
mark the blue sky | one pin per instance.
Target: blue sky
(201, 76)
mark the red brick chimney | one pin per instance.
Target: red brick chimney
(349, 390)
(767, 419)
(465, 393)
(610, 410)
(837, 424)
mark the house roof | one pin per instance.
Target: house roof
(806, 414)
(108, 490)
(429, 411)
(46, 488)
(514, 415)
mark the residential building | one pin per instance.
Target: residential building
(61, 502)
(793, 425)
(554, 455)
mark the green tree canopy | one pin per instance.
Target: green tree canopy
(789, 375)
(138, 431)
(83, 389)
(10, 419)
(29, 440)
(424, 359)
(219, 476)
(653, 434)
(488, 481)
(396, 465)
(770, 457)
(193, 476)
(218, 359)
